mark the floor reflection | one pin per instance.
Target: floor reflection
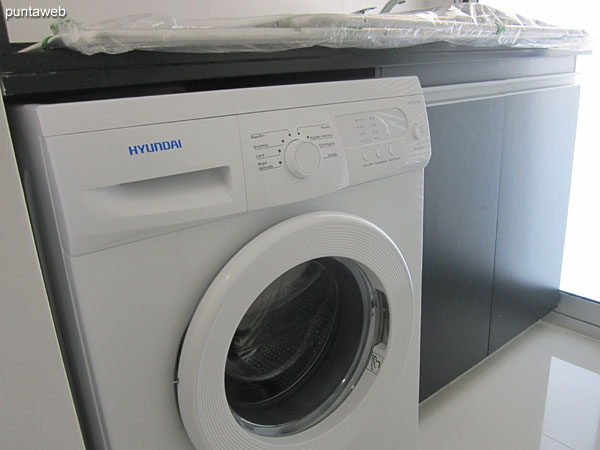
(540, 392)
(572, 413)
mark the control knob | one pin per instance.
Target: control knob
(302, 158)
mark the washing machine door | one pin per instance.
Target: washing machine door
(299, 339)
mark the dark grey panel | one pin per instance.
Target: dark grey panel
(443, 73)
(537, 156)
(461, 195)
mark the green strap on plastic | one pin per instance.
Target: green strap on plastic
(45, 42)
(501, 28)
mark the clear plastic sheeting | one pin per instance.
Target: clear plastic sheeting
(471, 24)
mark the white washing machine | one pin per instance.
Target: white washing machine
(238, 269)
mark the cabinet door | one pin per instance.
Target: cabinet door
(461, 201)
(537, 157)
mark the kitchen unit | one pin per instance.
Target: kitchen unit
(502, 128)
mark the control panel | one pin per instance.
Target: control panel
(384, 137)
(300, 153)
(291, 155)
(131, 168)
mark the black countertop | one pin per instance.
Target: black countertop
(62, 74)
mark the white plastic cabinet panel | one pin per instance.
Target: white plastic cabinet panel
(36, 407)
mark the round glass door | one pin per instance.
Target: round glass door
(299, 338)
(302, 346)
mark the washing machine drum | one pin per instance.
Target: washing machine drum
(301, 346)
(272, 354)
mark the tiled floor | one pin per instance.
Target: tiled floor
(541, 391)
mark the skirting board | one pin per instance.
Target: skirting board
(579, 308)
(577, 314)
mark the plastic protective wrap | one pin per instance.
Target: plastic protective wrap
(470, 24)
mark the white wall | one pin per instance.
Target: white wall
(90, 11)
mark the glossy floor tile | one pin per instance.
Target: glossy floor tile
(541, 391)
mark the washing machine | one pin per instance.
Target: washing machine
(235, 269)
